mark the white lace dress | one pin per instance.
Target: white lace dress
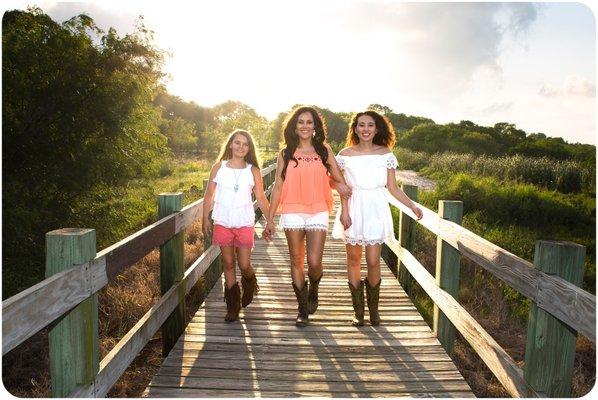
(368, 205)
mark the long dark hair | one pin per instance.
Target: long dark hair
(291, 140)
(226, 153)
(385, 135)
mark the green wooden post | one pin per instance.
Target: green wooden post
(73, 342)
(550, 344)
(172, 269)
(407, 238)
(448, 269)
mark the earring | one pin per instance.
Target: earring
(313, 134)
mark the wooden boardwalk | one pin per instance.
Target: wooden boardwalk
(265, 355)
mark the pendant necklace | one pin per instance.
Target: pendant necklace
(236, 187)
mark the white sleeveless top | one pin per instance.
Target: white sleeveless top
(233, 207)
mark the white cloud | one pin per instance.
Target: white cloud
(573, 86)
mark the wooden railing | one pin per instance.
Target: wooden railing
(560, 307)
(67, 299)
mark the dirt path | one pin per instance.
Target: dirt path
(412, 178)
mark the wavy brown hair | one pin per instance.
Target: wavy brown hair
(385, 135)
(226, 153)
(291, 140)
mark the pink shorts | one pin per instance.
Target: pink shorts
(235, 237)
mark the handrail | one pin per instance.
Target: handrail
(494, 356)
(22, 316)
(565, 301)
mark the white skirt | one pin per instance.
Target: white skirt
(370, 216)
(302, 221)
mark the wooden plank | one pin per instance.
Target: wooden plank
(567, 302)
(249, 327)
(291, 392)
(307, 349)
(379, 360)
(498, 361)
(356, 334)
(282, 385)
(312, 373)
(22, 316)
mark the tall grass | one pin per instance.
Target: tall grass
(409, 159)
(562, 176)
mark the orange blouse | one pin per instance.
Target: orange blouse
(306, 188)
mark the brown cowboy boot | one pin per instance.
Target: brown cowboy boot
(312, 298)
(303, 312)
(232, 297)
(373, 297)
(250, 288)
(358, 303)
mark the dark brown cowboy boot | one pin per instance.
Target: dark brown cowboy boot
(358, 303)
(232, 297)
(312, 298)
(303, 312)
(373, 297)
(250, 288)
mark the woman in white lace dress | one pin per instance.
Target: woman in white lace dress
(365, 219)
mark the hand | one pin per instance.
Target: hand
(344, 190)
(417, 211)
(268, 231)
(346, 220)
(206, 227)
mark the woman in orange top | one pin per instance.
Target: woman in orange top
(303, 197)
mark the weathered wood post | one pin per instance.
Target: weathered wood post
(407, 238)
(172, 269)
(448, 269)
(73, 341)
(550, 344)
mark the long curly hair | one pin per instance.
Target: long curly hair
(226, 153)
(291, 140)
(385, 135)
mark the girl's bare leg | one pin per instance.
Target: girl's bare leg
(296, 243)
(372, 258)
(354, 264)
(228, 265)
(244, 261)
(315, 250)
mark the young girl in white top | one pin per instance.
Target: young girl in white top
(365, 218)
(232, 180)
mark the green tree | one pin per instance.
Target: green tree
(77, 114)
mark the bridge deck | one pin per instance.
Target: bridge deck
(265, 355)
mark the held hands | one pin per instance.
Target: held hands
(345, 220)
(344, 190)
(417, 211)
(268, 231)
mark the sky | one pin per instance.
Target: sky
(531, 64)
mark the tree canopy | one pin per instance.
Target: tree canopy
(77, 113)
